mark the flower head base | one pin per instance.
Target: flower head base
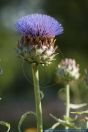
(37, 44)
(40, 53)
(68, 70)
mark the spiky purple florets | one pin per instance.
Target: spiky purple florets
(39, 25)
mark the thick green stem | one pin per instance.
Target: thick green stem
(37, 98)
(67, 102)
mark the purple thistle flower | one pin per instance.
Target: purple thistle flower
(37, 43)
(39, 25)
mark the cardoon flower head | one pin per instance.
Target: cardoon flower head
(68, 70)
(37, 43)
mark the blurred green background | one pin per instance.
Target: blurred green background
(16, 86)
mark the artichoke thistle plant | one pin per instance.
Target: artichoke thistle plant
(37, 46)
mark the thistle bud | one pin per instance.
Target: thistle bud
(68, 70)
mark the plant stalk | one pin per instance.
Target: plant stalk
(86, 124)
(37, 97)
(67, 103)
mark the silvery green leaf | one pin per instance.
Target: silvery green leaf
(78, 106)
(55, 125)
(65, 123)
(23, 117)
(51, 129)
